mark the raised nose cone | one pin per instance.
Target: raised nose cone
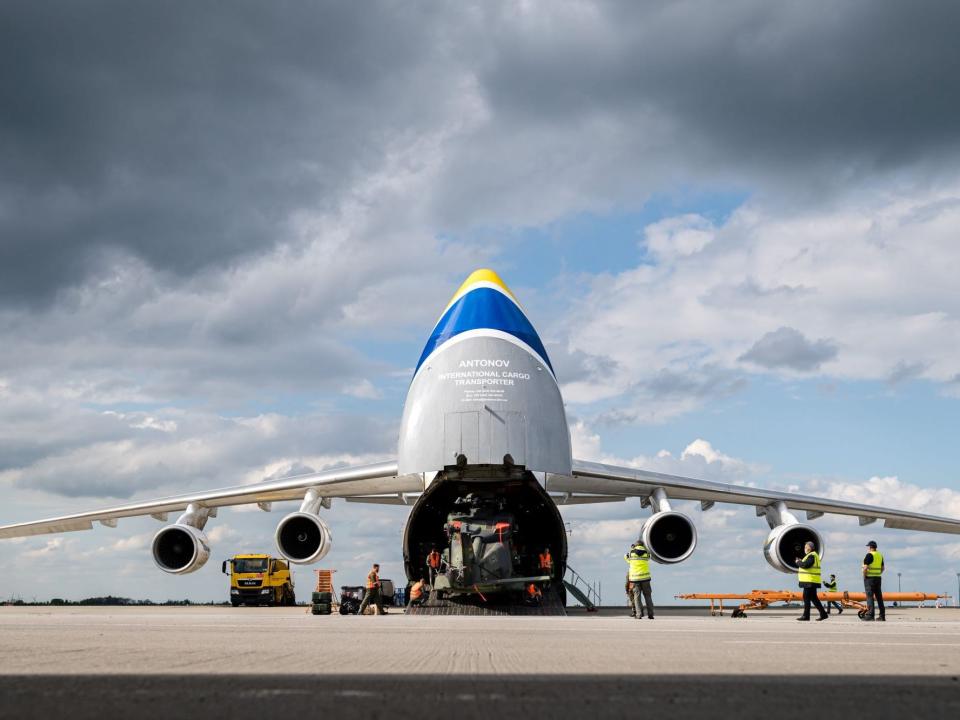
(484, 389)
(484, 305)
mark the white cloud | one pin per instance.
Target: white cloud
(585, 443)
(51, 546)
(363, 389)
(130, 543)
(222, 533)
(678, 237)
(858, 290)
(167, 426)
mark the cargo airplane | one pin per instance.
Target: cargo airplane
(484, 460)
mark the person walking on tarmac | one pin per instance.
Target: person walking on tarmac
(372, 593)
(639, 576)
(808, 573)
(873, 568)
(417, 591)
(831, 586)
(433, 564)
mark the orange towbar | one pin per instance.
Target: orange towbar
(762, 599)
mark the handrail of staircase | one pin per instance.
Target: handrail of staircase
(576, 579)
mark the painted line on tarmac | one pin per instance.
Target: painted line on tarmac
(773, 641)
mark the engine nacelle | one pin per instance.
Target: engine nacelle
(785, 543)
(180, 549)
(670, 537)
(303, 537)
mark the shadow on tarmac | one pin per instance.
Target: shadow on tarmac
(466, 697)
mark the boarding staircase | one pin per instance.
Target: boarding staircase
(588, 595)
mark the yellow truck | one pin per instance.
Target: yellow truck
(259, 580)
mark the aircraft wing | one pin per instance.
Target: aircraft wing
(609, 480)
(376, 479)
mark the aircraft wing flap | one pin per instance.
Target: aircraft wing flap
(920, 524)
(570, 499)
(599, 478)
(48, 527)
(379, 499)
(380, 478)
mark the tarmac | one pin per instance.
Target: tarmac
(252, 662)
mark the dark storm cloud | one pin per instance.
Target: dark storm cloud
(191, 134)
(787, 348)
(709, 382)
(187, 134)
(903, 371)
(750, 83)
(575, 366)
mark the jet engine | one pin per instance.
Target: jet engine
(787, 538)
(180, 548)
(302, 537)
(669, 536)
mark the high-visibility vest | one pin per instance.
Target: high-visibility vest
(812, 573)
(416, 592)
(639, 561)
(875, 569)
(433, 559)
(533, 591)
(830, 587)
(546, 562)
(372, 580)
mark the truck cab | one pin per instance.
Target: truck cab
(259, 580)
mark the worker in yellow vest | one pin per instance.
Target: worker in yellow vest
(873, 568)
(808, 573)
(831, 586)
(639, 576)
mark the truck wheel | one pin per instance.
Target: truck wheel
(235, 603)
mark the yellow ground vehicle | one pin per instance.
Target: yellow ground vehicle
(259, 580)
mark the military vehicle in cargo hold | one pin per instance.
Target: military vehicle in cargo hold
(487, 548)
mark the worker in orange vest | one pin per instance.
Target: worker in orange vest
(417, 593)
(546, 562)
(434, 560)
(534, 596)
(372, 591)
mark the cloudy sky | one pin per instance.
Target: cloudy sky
(227, 228)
